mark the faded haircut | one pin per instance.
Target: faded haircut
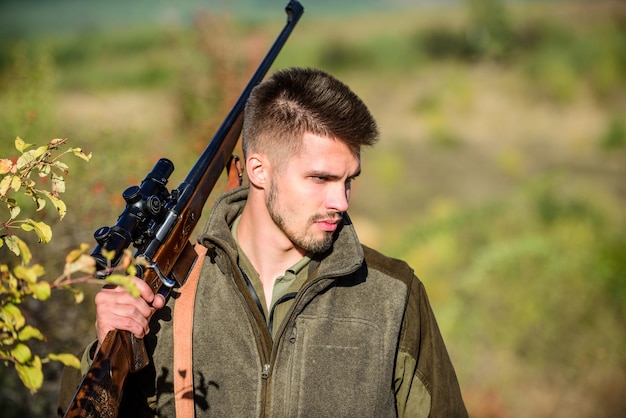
(296, 101)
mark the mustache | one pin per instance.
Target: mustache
(329, 216)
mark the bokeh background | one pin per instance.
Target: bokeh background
(500, 174)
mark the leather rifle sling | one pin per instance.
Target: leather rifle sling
(183, 339)
(183, 317)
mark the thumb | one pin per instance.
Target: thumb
(158, 302)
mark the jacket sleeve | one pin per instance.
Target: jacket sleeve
(425, 381)
(72, 377)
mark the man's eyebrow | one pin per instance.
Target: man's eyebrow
(328, 175)
(322, 174)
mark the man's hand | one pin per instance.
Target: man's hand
(117, 309)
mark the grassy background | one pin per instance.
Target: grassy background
(499, 176)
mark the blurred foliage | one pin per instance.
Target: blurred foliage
(138, 54)
(614, 137)
(37, 176)
(540, 277)
(512, 217)
(26, 176)
(490, 30)
(549, 250)
(27, 86)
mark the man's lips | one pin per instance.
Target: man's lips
(328, 225)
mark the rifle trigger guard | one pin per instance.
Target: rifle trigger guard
(164, 279)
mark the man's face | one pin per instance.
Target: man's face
(307, 197)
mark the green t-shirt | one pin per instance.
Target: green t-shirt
(285, 287)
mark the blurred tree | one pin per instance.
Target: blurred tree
(490, 30)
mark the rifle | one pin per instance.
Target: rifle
(158, 224)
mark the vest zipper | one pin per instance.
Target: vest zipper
(264, 351)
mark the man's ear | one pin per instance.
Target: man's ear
(257, 167)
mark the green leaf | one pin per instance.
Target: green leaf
(29, 332)
(19, 247)
(126, 282)
(79, 295)
(61, 166)
(6, 339)
(41, 290)
(20, 145)
(58, 184)
(21, 353)
(29, 274)
(11, 242)
(16, 183)
(39, 201)
(5, 184)
(25, 159)
(109, 255)
(11, 314)
(14, 209)
(131, 270)
(76, 253)
(84, 263)
(31, 374)
(40, 151)
(80, 154)
(69, 360)
(44, 170)
(58, 203)
(42, 229)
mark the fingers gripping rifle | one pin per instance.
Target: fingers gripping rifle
(158, 225)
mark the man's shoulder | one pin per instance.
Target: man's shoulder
(392, 267)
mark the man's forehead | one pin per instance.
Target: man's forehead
(311, 138)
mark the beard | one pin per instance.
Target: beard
(308, 243)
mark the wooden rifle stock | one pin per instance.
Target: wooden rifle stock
(161, 238)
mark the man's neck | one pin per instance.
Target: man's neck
(269, 251)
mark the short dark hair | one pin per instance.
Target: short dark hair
(295, 101)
